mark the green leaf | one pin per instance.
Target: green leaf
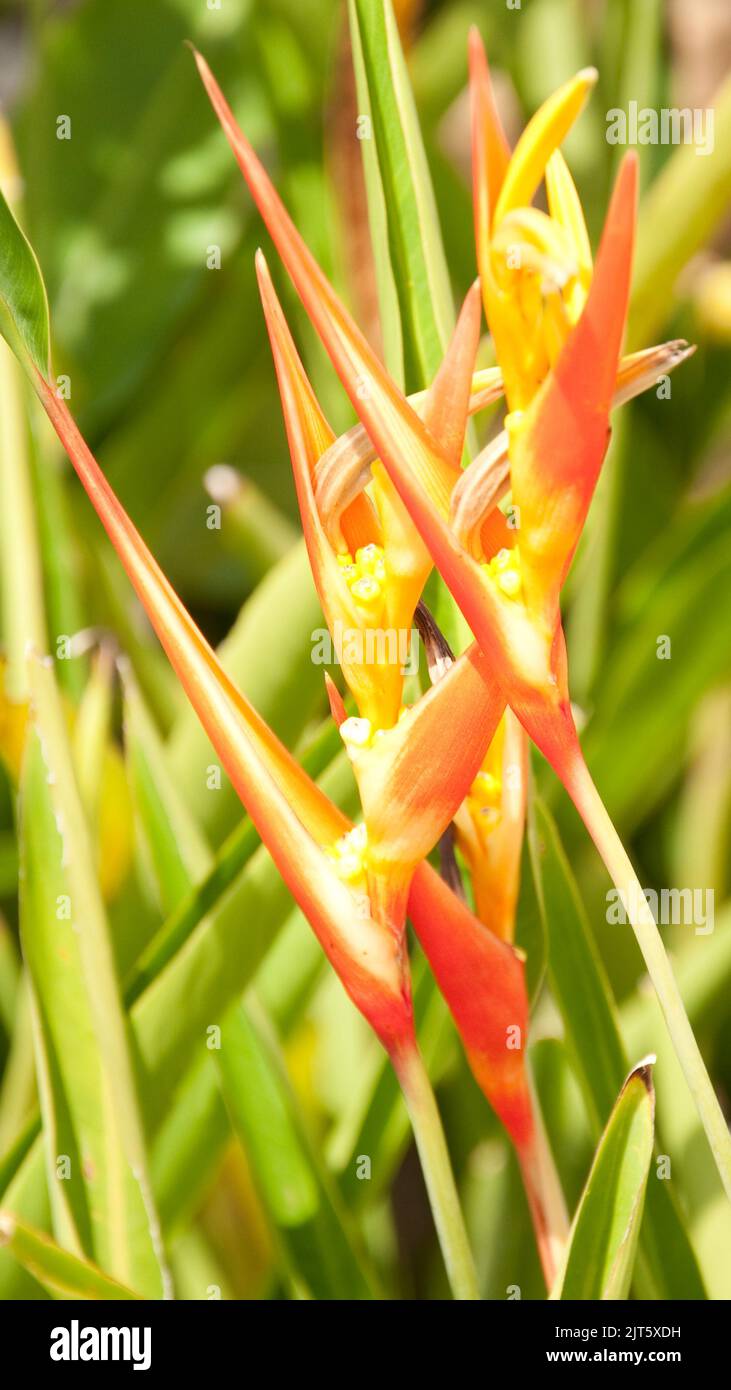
(188, 1147)
(198, 1267)
(18, 1083)
(632, 754)
(417, 256)
(630, 65)
(376, 1122)
(65, 607)
(216, 963)
(254, 531)
(679, 216)
(24, 322)
(414, 292)
(23, 617)
(388, 298)
(206, 954)
(92, 732)
(139, 185)
(95, 1152)
(25, 1193)
(63, 1275)
(703, 969)
(310, 1221)
(268, 653)
(667, 1267)
(606, 1228)
(293, 1187)
(10, 973)
(176, 850)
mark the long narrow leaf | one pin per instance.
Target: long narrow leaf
(605, 1230)
(310, 1221)
(667, 1267)
(63, 1275)
(417, 255)
(99, 1188)
(318, 1249)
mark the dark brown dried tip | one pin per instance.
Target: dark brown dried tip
(439, 654)
(643, 1072)
(448, 866)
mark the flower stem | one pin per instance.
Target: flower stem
(589, 804)
(545, 1197)
(437, 1170)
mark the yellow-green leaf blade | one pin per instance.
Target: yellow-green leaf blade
(62, 1274)
(417, 255)
(95, 1152)
(667, 1267)
(23, 304)
(317, 1243)
(605, 1230)
(317, 1248)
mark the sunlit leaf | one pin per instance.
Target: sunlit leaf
(606, 1227)
(103, 1206)
(64, 1275)
(667, 1265)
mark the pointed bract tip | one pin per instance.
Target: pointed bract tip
(335, 700)
(624, 197)
(263, 274)
(475, 44)
(470, 315)
(588, 75)
(200, 61)
(629, 169)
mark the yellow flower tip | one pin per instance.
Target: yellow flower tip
(369, 558)
(588, 76)
(365, 575)
(349, 856)
(356, 733)
(502, 561)
(366, 589)
(504, 570)
(486, 789)
(509, 583)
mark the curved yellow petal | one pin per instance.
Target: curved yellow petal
(542, 135)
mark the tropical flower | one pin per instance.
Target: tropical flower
(413, 766)
(319, 855)
(558, 325)
(489, 827)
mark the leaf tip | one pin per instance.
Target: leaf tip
(642, 1071)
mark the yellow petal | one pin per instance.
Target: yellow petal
(565, 208)
(542, 135)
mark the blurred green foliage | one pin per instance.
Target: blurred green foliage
(170, 375)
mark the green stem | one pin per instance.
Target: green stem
(589, 804)
(437, 1170)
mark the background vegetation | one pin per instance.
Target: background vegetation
(170, 375)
